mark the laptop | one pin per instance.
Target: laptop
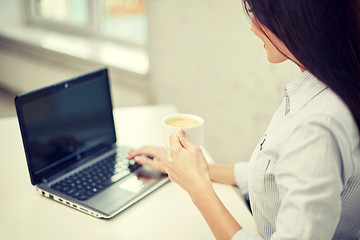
(70, 145)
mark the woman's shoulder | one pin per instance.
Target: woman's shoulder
(328, 111)
(328, 104)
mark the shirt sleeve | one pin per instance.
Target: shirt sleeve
(241, 177)
(308, 177)
(246, 234)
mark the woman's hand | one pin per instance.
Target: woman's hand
(143, 156)
(187, 165)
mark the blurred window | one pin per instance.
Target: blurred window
(122, 20)
(63, 11)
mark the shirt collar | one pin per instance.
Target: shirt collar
(300, 91)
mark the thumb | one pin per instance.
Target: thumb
(184, 140)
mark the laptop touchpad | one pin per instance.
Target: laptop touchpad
(110, 199)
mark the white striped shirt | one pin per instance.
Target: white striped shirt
(303, 178)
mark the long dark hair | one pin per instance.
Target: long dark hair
(323, 35)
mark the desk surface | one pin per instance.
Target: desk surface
(167, 213)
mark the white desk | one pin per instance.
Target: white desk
(167, 213)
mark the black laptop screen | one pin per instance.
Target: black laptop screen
(61, 122)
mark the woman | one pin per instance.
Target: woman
(303, 179)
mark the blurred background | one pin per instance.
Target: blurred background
(198, 55)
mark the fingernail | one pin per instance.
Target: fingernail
(181, 132)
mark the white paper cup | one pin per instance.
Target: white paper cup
(195, 133)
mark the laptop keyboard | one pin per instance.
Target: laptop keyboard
(95, 178)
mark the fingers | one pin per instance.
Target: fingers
(174, 142)
(184, 140)
(145, 161)
(180, 141)
(148, 151)
(154, 157)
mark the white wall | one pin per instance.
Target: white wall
(206, 61)
(11, 12)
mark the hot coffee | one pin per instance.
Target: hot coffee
(193, 126)
(182, 122)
